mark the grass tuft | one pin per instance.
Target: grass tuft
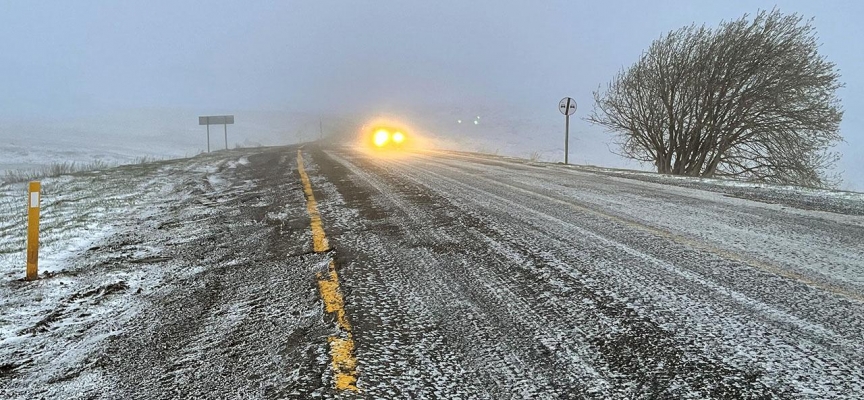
(53, 170)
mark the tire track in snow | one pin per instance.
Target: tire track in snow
(696, 244)
(844, 317)
(709, 377)
(501, 341)
(560, 316)
(814, 351)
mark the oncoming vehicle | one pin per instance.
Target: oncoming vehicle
(388, 137)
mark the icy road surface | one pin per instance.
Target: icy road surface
(463, 277)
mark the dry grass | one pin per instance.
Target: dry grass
(64, 168)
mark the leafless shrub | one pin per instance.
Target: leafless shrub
(751, 99)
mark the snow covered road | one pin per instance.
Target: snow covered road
(471, 276)
(466, 276)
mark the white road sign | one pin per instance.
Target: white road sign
(216, 120)
(567, 106)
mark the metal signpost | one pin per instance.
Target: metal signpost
(567, 106)
(223, 120)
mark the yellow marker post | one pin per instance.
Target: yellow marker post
(33, 230)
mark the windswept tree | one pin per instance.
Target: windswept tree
(751, 99)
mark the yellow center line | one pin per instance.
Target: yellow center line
(343, 363)
(328, 285)
(319, 240)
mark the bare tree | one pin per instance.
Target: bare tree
(751, 99)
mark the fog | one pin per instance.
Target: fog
(136, 76)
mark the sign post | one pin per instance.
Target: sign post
(567, 106)
(33, 200)
(223, 120)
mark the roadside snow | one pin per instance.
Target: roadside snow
(788, 190)
(84, 296)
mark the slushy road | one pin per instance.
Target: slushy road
(477, 276)
(325, 271)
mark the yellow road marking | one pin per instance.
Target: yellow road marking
(343, 362)
(319, 240)
(328, 285)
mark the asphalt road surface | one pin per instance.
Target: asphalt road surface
(471, 276)
(462, 276)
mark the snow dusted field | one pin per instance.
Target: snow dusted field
(77, 212)
(97, 271)
(35, 152)
(465, 276)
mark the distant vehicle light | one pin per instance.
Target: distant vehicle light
(387, 137)
(381, 137)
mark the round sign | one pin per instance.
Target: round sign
(567, 106)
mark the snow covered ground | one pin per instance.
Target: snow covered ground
(465, 276)
(94, 268)
(78, 211)
(128, 136)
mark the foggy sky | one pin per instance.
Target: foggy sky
(66, 59)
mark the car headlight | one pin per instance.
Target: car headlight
(381, 137)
